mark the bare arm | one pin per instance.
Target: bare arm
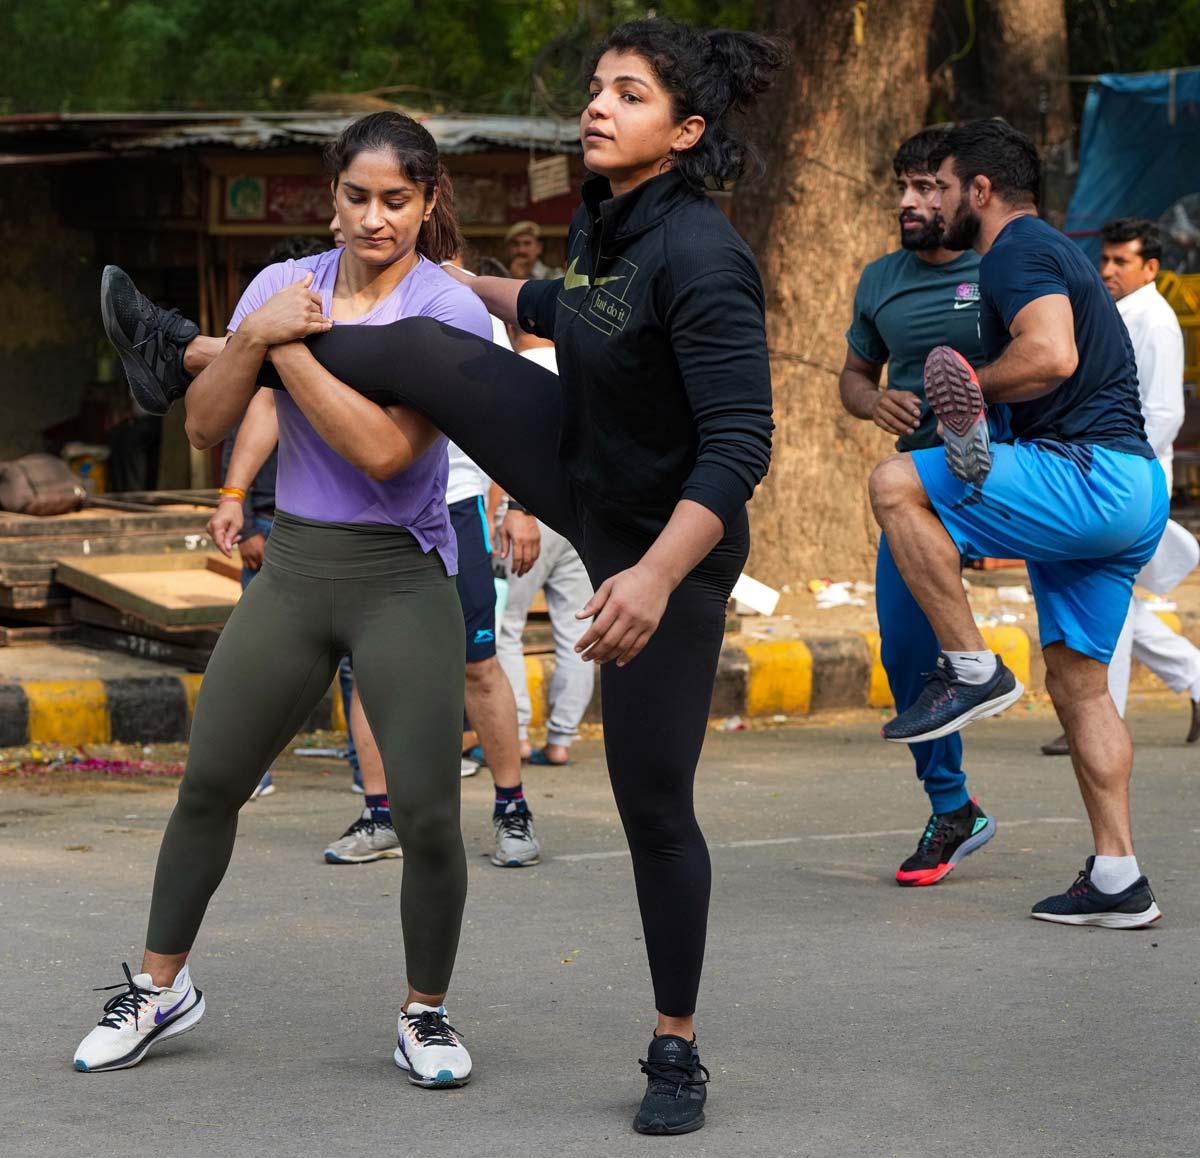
(380, 441)
(896, 411)
(1041, 354)
(221, 392)
(499, 294)
(256, 438)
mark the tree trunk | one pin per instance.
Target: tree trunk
(1023, 61)
(825, 208)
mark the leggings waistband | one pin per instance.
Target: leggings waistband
(347, 550)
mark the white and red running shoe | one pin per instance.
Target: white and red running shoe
(954, 396)
(142, 1015)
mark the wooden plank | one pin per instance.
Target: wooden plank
(96, 522)
(39, 595)
(46, 549)
(55, 615)
(194, 659)
(25, 574)
(170, 590)
(28, 636)
(113, 619)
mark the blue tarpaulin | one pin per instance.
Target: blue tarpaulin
(1139, 149)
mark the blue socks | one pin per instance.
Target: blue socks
(378, 809)
(510, 800)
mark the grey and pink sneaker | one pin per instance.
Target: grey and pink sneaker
(140, 1016)
(954, 396)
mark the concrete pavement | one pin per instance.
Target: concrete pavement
(841, 1015)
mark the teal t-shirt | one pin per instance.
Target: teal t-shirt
(902, 309)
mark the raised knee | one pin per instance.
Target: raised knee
(889, 485)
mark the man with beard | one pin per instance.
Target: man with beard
(1077, 493)
(917, 297)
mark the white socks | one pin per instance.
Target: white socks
(972, 667)
(1114, 874)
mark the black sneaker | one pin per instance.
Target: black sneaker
(947, 839)
(954, 396)
(947, 704)
(150, 341)
(675, 1094)
(1084, 904)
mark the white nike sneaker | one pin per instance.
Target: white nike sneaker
(429, 1047)
(138, 1018)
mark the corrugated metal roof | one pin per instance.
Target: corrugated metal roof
(140, 132)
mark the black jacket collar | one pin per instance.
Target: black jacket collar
(640, 209)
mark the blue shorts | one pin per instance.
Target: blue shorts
(1084, 530)
(476, 588)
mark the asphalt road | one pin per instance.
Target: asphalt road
(841, 1015)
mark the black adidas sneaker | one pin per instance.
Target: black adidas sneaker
(947, 839)
(675, 1094)
(1084, 904)
(149, 340)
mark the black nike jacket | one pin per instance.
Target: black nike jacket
(658, 325)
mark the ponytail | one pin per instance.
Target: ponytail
(416, 154)
(440, 238)
(714, 75)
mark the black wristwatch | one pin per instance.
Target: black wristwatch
(513, 505)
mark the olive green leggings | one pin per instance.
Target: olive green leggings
(327, 590)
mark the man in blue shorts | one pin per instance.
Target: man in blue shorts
(908, 301)
(1077, 493)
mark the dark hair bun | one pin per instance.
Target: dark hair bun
(713, 75)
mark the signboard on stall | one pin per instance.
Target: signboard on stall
(294, 201)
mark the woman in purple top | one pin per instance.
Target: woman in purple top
(362, 561)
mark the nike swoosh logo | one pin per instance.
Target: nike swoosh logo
(965, 305)
(160, 1017)
(572, 279)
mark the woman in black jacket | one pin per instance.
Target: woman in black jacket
(643, 454)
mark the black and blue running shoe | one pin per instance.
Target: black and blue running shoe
(1084, 904)
(947, 704)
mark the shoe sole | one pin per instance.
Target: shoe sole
(955, 398)
(968, 846)
(390, 854)
(146, 390)
(512, 862)
(661, 1130)
(181, 1024)
(258, 794)
(447, 1082)
(1141, 920)
(979, 712)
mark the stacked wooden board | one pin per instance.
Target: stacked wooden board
(35, 607)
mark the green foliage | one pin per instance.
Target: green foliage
(1133, 35)
(123, 55)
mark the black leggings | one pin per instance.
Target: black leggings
(506, 413)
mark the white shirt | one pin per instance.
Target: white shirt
(466, 480)
(1158, 348)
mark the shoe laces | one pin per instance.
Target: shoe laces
(431, 1028)
(122, 1006)
(1082, 885)
(936, 833)
(364, 825)
(516, 823)
(673, 1077)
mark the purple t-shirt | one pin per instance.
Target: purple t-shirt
(314, 481)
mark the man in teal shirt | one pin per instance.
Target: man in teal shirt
(913, 299)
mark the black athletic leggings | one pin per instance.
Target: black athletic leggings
(506, 414)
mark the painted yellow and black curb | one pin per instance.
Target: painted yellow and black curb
(756, 678)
